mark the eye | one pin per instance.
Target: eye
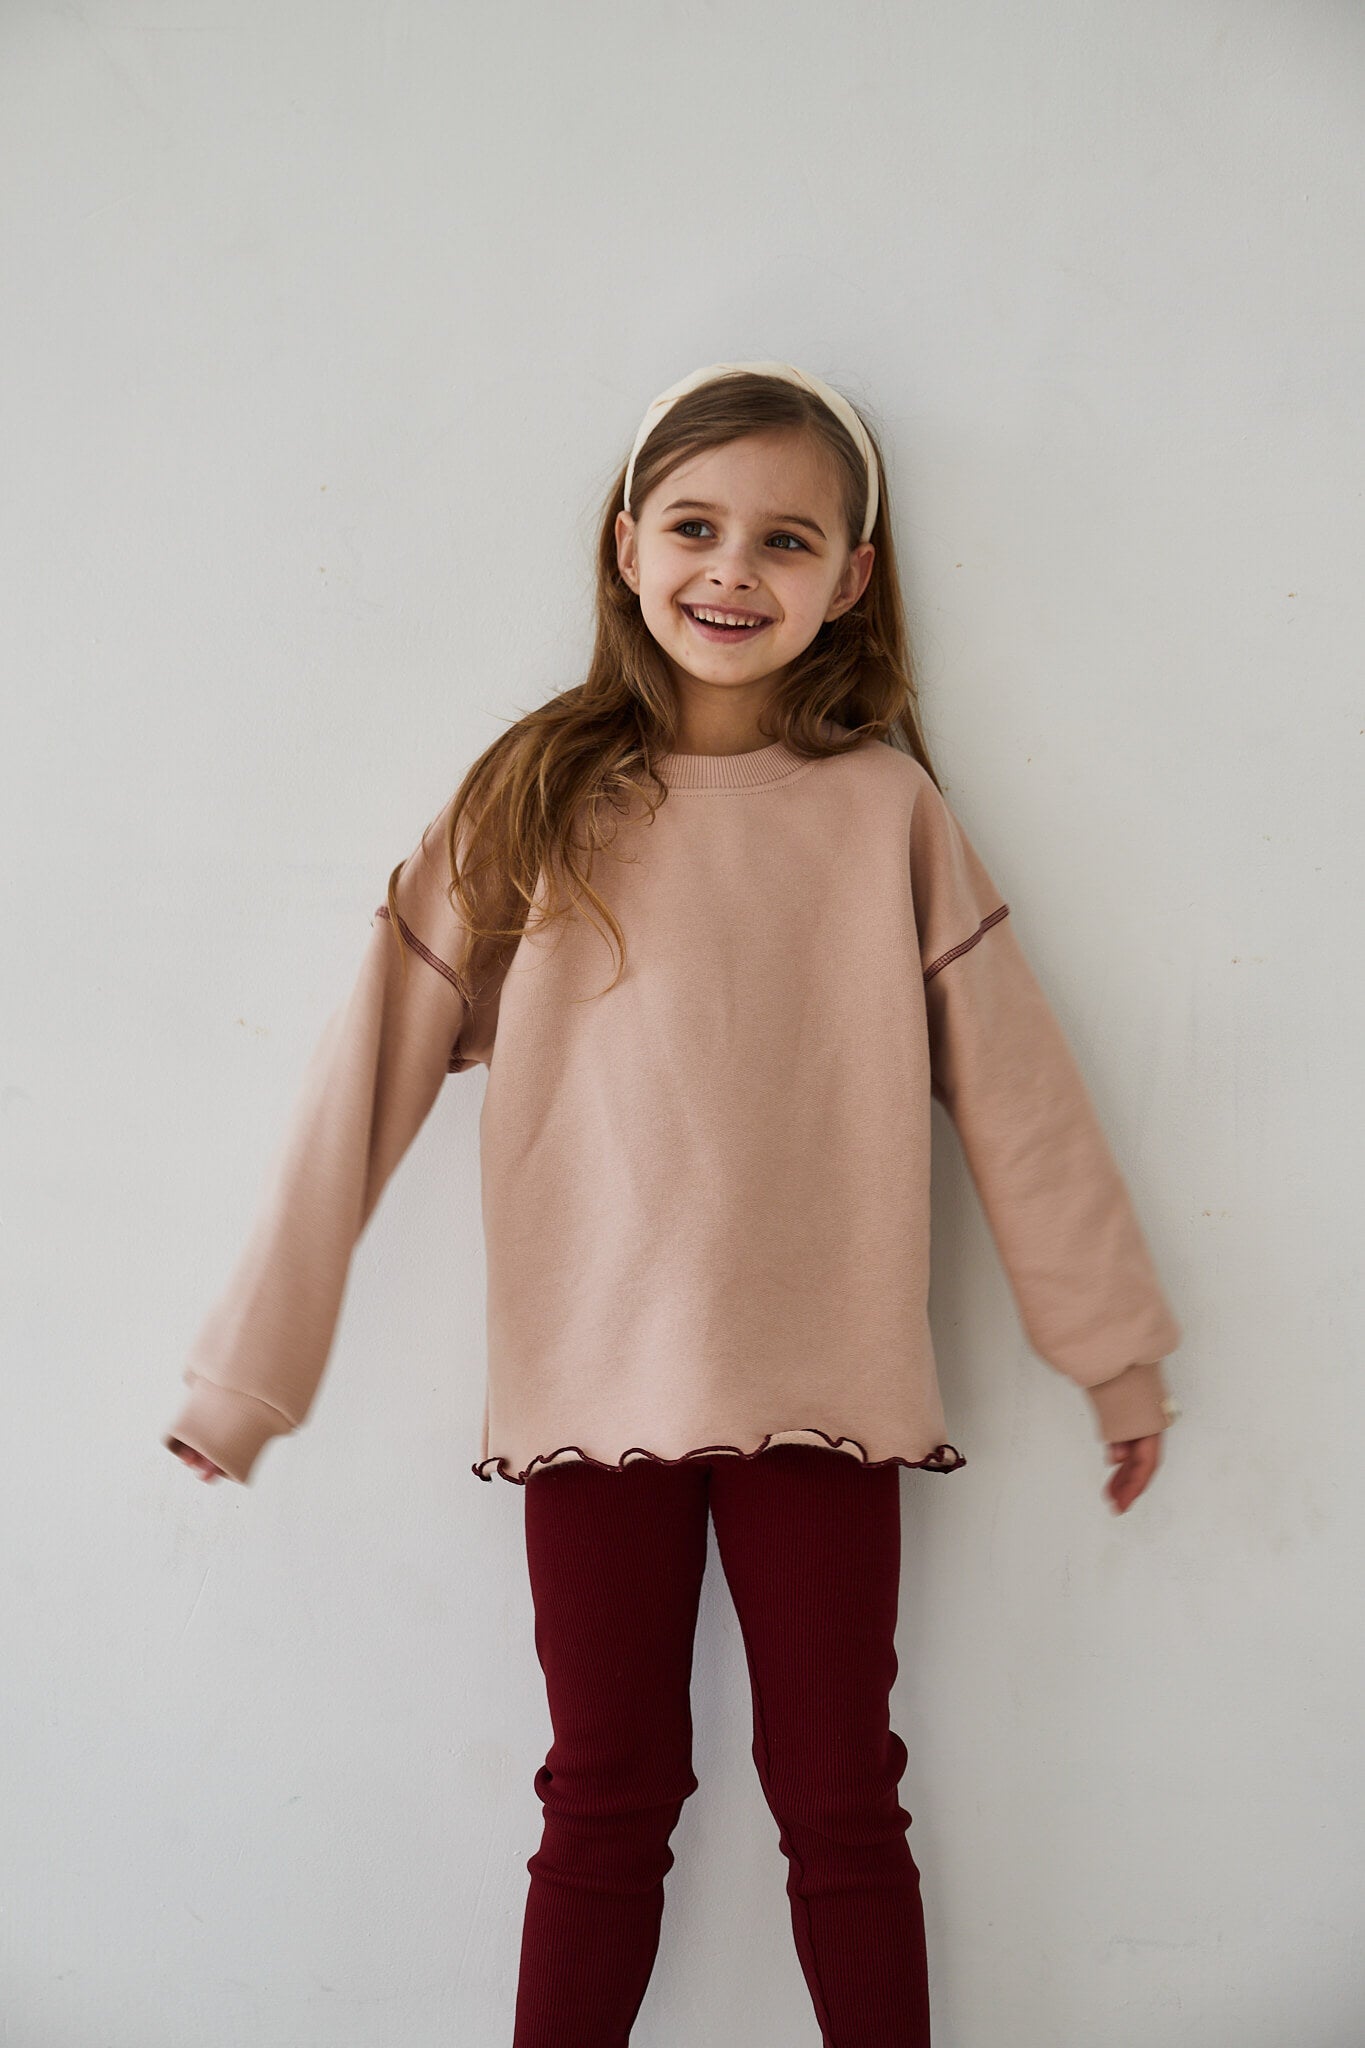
(682, 524)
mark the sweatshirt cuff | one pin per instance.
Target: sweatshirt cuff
(229, 1427)
(1131, 1404)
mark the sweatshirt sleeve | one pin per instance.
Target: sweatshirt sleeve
(1078, 1265)
(373, 1076)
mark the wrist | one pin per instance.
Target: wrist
(1134, 1403)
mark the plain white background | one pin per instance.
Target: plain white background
(324, 328)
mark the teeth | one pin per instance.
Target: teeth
(722, 618)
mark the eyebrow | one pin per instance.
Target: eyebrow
(771, 519)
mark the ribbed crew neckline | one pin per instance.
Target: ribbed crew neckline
(750, 770)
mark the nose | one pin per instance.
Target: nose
(731, 568)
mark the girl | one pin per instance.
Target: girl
(705, 1144)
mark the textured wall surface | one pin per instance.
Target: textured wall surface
(324, 328)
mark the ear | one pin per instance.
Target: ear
(854, 581)
(626, 551)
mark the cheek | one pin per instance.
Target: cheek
(658, 583)
(804, 608)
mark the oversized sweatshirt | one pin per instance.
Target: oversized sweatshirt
(706, 1191)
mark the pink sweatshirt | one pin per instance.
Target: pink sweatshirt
(706, 1195)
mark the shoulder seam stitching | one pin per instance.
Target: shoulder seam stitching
(426, 953)
(967, 944)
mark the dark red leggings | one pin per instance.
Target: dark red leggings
(810, 1543)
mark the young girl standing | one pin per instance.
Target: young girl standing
(728, 939)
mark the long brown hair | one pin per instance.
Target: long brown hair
(590, 750)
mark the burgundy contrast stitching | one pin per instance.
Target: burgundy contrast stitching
(934, 1462)
(967, 944)
(410, 935)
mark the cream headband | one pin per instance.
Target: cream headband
(837, 404)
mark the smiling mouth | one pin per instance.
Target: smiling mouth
(720, 634)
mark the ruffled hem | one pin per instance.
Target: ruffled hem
(943, 1457)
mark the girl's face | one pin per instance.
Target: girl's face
(753, 527)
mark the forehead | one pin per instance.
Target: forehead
(758, 476)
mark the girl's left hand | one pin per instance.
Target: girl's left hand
(1136, 1460)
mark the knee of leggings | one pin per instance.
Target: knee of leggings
(606, 1794)
(846, 1795)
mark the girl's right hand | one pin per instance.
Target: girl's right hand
(197, 1462)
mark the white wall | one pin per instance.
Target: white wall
(324, 327)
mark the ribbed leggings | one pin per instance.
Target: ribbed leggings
(810, 1544)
